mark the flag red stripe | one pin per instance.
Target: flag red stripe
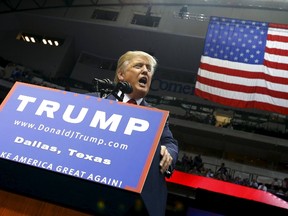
(244, 74)
(278, 38)
(242, 104)
(228, 71)
(278, 25)
(242, 88)
(276, 65)
(276, 51)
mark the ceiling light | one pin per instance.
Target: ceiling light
(185, 14)
(27, 38)
(34, 38)
(50, 42)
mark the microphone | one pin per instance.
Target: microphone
(103, 84)
(107, 84)
(125, 87)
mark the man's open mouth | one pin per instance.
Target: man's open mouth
(143, 81)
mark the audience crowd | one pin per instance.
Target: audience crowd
(222, 172)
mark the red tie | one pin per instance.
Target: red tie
(132, 101)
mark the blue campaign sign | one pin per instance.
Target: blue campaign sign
(100, 140)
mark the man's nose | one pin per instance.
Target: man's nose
(145, 68)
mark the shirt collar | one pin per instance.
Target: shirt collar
(127, 98)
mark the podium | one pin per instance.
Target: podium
(84, 196)
(41, 159)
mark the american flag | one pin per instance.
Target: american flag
(245, 65)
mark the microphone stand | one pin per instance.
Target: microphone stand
(107, 88)
(104, 93)
(114, 92)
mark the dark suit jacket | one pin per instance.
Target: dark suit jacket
(154, 193)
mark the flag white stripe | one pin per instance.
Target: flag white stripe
(244, 67)
(242, 81)
(242, 96)
(233, 65)
(278, 31)
(277, 45)
(276, 58)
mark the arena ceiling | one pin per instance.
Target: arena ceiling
(7, 6)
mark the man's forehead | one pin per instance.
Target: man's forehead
(140, 60)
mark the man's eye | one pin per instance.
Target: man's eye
(138, 66)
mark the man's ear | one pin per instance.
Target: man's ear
(120, 75)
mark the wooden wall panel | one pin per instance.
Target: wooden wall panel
(12, 204)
